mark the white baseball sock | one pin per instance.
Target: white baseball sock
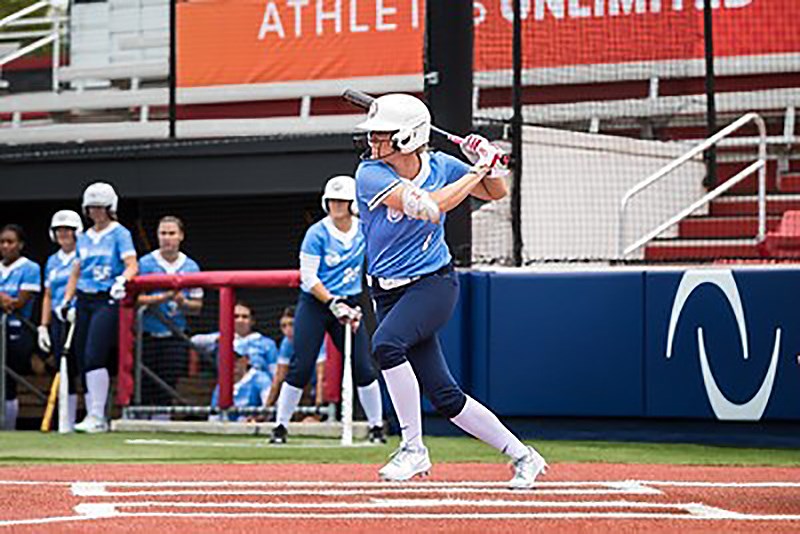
(97, 382)
(370, 398)
(404, 391)
(12, 409)
(477, 420)
(288, 399)
(72, 409)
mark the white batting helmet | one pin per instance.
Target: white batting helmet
(100, 194)
(65, 219)
(406, 115)
(340, 187)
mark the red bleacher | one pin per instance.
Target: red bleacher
(729, 229)
(785, 241)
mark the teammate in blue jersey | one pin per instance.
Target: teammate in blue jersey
(20, 281)
(403, 193)
(331, 262)
(106, 261)
(256, 358)
(165, 351)
(285, 352)
(65, 226)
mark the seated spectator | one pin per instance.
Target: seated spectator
(285, 355)
(256, 359)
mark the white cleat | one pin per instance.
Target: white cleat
(92, 425)
(405, 464)
(527, 469)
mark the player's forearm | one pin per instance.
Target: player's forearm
(47, 303)
(321, 293)
(495, 187)
(149, 300)
(192, 306)
(131, 268)
(451, 195)
(72, 283)
(19, 302)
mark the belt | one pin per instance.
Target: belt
(388, 284)
(100, 295)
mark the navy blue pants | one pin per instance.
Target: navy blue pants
(19, 346)
(58, 336)
(408, 319)
(311, 320)
(96, 331)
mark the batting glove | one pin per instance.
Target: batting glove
(471, 146)
(343, 311)
(118, 289)
(44, 339)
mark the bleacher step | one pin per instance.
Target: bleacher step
(701, 249)
(790, 182)
(748, 205)
(723, 227)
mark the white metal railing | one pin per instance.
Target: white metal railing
(760, 165)
(52, 36)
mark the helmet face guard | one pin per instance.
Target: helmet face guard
(406, 117)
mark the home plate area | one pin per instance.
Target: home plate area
(458, 498)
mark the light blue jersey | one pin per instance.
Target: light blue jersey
(340, 256)
(22, 275)
(287, 350)
(398, 246)
(251, 390)
(262, 353)
(102, 256)
(258, 348)
(56, 275)
(154, 263)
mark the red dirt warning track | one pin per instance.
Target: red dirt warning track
(336, 498)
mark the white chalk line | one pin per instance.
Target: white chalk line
(305, 444)
(695, 511)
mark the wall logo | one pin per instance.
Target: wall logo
(724, 408)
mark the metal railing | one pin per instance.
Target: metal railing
(759, 165)
(52, 36)
(140, 371)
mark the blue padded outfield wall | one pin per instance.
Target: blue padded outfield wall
(596, 343)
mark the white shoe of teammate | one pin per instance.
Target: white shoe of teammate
(406, 463)
(527, 469)
(92, 425)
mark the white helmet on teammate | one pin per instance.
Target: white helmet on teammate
(65, 219)
(406, 115)
(340, 187)
(100, 194)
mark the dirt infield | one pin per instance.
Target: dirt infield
(335, 498)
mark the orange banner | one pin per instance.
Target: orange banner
(257, 41)
(262, 41)
(560, 33)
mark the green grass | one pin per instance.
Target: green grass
(35, 448)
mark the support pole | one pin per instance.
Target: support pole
(710, 155)
(227, 301)
(516, 135)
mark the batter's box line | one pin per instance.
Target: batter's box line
(241, 488)
(101, 491)
(106, 508)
